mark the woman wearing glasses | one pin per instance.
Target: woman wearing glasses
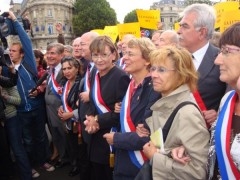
(68, 112)
(224, 154)
(174, 76)
(135, 108)
(108, 86)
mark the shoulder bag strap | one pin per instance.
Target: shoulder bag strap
(169, 122)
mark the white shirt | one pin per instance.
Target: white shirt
(198, 55)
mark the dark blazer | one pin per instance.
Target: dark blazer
(143, 98)
(113, 88)
(83, 108)
(53, 102)
(210, 87)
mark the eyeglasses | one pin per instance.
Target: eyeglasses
(102, 56)
(227, 50)
(160, 70)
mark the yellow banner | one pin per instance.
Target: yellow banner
(148, 18)
(129, 28)
(223, 7)
(176, 26)
(99, 31)
(228, 19)
(111, 31)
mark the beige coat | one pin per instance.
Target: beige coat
(188, 129)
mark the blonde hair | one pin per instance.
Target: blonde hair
(182, 61)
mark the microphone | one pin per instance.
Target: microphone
(39, 82)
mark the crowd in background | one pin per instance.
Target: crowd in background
(96, 105)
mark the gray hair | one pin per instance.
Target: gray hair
(68, 48)
(206, 17)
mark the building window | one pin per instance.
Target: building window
(49, 12)
(171, 19)
(34, 14)
(50, 28)
(162, 19)
(170, 8)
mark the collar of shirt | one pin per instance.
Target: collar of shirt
(199, 54)
(57, 69)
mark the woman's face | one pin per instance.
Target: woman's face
(69, 71)
(103, 61)
(134, 62)
(229, 64)
(164, 77)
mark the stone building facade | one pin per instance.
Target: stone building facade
(43, 15)
(169, 11)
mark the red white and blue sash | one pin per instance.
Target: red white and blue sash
(55, 87)
(99, 102)
(97, 97)
(66, 89)
(222, 139)
(86, 86)
(137, 157)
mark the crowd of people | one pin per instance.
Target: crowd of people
(171, 102)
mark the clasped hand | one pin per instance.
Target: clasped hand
(92, 126)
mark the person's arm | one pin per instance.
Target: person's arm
(60, 37)
(11, 96)
(191, 132)
(25, 41)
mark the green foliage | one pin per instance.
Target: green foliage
(131, 17)
(92, 14)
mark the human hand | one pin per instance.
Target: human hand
(59, 27)
(91, 125)
(84, 96)
(210, 116)
(109, 137)
(117, 107)
(142, 131)
(179, 154)
(149, 149)
(11, 15)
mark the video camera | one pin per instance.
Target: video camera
(6, 26)
(4, 58)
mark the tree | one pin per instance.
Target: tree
(92, 14)
(131, 17)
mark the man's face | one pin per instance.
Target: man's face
(15, 55)
(85, 44)
(77, 49)
(156, 39)
(53, 57)
(188, 34)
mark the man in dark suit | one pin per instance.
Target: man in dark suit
(196, 29)
(89, 70)
(55, 53)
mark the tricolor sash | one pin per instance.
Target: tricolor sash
(99, 102)
(86, 86)
(137, 157)
(222, 139)
(66, 89)
(97, 97)
(66, 107)
(55, 87)
(200, 103)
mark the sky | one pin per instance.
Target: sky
(121, 7)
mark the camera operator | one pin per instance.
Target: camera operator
(31, 111)
(5, 160)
